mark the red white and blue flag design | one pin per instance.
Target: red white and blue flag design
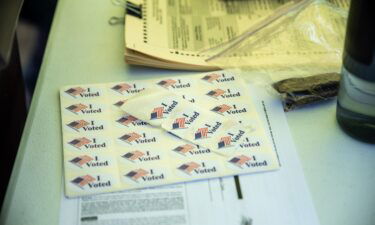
(189, 167)
(201, 133)
(75, 91)
(119, 103)
(136, 174)
(179, 123)
(221, 108)
(81, 160)
(215, 93)
(182, 149)
(76, 125)
(211, 77)
(79, 142)
(224, 142)
(134, 155)
(121, 88)
(130, 137)
(76, 108)
(126, 120)
(157, 113)
(240, 160)
(83, 181)
(166, 83)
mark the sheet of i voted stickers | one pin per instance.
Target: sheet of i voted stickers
(107, 147)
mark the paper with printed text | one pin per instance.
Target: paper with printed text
(272, 198)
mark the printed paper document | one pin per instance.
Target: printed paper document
(271, 198)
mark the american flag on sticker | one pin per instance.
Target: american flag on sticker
(126, 120)
(211, 77)
(136, 174)
(166, 83)
(79, 142)
(76, 108)
(76, 125)
(119, 103)
(130, 137)
(82, 181)
(224, 142)
(240, 160)
(134, 155)
(75, 91)
(182, 149)
(179, 123)
(215, 93)
(120, 88)
(201, 133)
(221, 108)
(189, 167)
(81, 160)
(157, 113)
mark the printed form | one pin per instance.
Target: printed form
(268, 198)
(179, 32)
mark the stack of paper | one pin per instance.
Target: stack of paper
(171, 34)
(176, 34)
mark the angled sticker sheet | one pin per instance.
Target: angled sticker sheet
(116, 137)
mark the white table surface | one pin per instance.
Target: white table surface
(83, 48)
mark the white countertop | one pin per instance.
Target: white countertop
(83, 48)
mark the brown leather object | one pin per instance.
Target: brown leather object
(297, 92)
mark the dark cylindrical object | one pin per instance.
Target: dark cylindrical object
(356, 98)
